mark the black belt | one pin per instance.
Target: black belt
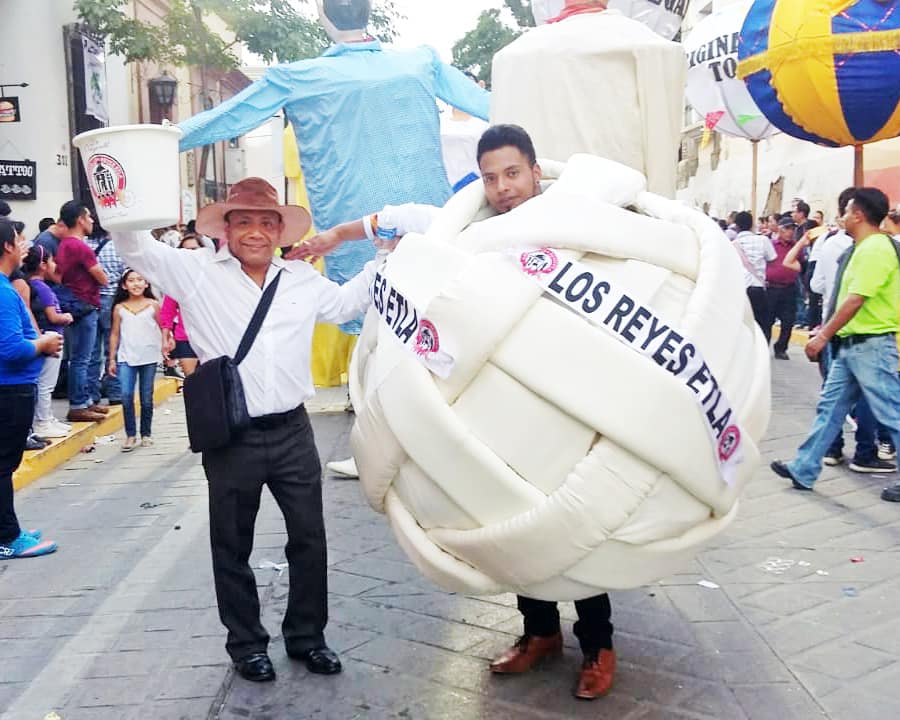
(267, 422)
(851, 340)
(21, 387)
(778, 285)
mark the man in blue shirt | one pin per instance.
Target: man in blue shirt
(21, 356)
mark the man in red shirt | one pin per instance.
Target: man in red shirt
(781, 284)
(82, 276)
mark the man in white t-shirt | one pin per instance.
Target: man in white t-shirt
(755, 251)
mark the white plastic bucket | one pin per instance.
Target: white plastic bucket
(133, 174)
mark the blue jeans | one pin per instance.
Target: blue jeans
(141, 375)
(109, 386)
(865, 450)
(866, 370)
(81, 345)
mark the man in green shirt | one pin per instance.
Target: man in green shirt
(862, 331)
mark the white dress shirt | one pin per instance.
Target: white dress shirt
(217, 300)
(825, 272)
(759, 251)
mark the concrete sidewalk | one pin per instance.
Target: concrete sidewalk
(121, 622)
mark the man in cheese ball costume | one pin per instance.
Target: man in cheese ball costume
(511, 176)
(591, 80)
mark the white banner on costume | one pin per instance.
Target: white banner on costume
(411, 328)
(585, 291)
(94, 80)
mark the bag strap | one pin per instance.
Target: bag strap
(265, 302)
(748, 266)
(101, 245)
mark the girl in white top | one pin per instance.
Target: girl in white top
(135, 347)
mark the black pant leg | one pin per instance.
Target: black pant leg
(16, 414)
(760, 306)
(787, 313)
(594, 628)
(236, 475)
(541, 616)
(295, 480)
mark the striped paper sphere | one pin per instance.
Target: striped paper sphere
(827, 71)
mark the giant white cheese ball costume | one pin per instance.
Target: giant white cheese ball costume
(517, 444)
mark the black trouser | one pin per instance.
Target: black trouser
(760, 305)
(16, 414)
(278, 451)
(593, 629)
(782, 306)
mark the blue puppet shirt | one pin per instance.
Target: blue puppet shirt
(367, 127)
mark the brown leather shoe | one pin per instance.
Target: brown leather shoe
(99, 409)
(526, 652)
(596, 677)
(84, 415)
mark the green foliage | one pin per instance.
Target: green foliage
(273, 29)
(476, 50)
(521, 10)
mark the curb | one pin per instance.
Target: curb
(37, 463)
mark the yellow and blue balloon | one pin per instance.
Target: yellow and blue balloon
(827, 71)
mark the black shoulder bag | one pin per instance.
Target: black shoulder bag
(214, 395)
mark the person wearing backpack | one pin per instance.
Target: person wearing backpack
(862, 332)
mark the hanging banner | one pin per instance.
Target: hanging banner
(9, 110)
(597, 299)
(18, 180)
(95, 81)
(662, 16)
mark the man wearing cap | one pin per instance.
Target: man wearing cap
(781, 287)
(218, 293)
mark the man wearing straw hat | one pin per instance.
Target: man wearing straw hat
(218, 293)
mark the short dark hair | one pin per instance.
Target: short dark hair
(722, 223)
(348, 14)
(498, 136)
(192, 226)
(5, 209)
(71, 211)
(744, 220)
(45, 223)
(19, 226)
(872, 203)
(7, 235)
(844, 199)
(804, 208)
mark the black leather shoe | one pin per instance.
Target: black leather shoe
(322, 660)
(780, 468)
(256, 667)
(891, 494)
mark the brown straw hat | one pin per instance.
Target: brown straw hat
(253, 194)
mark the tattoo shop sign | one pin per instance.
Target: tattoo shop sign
(18, 180)
(586, 292)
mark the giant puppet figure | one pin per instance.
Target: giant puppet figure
(588, 79)
(366, 122)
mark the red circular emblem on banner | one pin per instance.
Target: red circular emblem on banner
(427, 339)
(539, 262)
(729, 442)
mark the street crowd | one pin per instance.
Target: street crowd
(839, 280)
(72, 280)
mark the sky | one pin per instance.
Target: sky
(439, 23)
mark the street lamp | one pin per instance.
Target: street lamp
(163, 90)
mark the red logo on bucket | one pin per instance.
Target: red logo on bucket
(539, 262)
(729, 442)
(427, 339)
(107, 179)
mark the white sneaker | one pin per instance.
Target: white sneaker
(344, 468)
(61, 425)
(886, 451)
(49, 430)
(146, 441)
